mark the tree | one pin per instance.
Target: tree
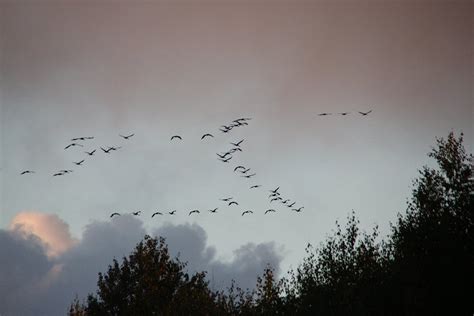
(432, 244)
(150, 282)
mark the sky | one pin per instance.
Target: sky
(70, 69)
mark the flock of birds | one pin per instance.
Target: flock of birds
(226, 157)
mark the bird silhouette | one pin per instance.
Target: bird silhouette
(227, 199)
(114, 148)
(90, 153)
(156, 213)
(269, 210)
(291, 205)
(275, 191)
(58, 174)
(275, 199)
(137, 213)
(224, 155)
(177, 137)
(285, 201)
(248, 176)
(79, 162)
(255, 186)
(206, 135)
(344, 113)
(225, 160)
(247, 212)
(233, 203)
(194, 211)
(172, 212)
(114, 214)
(224, 130)
(233, 150)
(238, 143)
(126, 137)
(324, 114)
(239, 167)
(365, 113)
(81, 138)
(245, 170)
(73, 144)
(26, 171)
(214, 210)
(107, 151)
(297, 210)
(65, 171)
(274, 195)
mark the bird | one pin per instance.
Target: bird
(245, 170)
(246, 212)
(225, 160)
(81, 138)
(114, 148)
(344, 113)
(73, 144)
(238, 143)
(90, 153)
(239, 167)
(233, 150)
(156, 213)
(275, 199)
(214, 210)
(275, 191)
(324, 114)
(233, 203)
(291, 205)
(78, 163)
(126, 137)
(255, 186)
(285, 201)
(65, 171)
(194, 211)
(58, 174)
(365, 113)
(176, 136)
(269, 210)
(114, 214)
(224, 130)
(227, 199)
(172, 212)
(206, 135)
(26, 171)
(107, 151)
(243, 119)
(136, 213)
(248, 176)
(297, 210)
(224, 155)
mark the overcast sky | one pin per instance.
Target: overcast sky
(156, 70)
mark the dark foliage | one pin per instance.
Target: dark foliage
(426, 266)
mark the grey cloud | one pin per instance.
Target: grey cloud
(27, 272)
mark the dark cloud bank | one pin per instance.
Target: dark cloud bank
(34, 284)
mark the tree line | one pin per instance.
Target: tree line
(425, 266)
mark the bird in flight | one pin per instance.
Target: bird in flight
(324, 114)
(58, 174)
(65, 171)
(233, 203)
(172, 212)
(233, 150)
(177, 137)
(297, 210)
(238, 143)
(291, 205)
(269, 210)
(275, 191)
(114, 214)
(225, 160)
(344, 113)
(214, 210)
(81, 138)
(224, 155)
(247, 212)
(156, 213)
(73, 144)
(90, 153)
(227, 199)
(239, 167)
(137, 213)
(78, 163)
(245, 170)
(126, 137)
(194, 211)
(114, 148)
(365, 113)
(225, 130)
(26, 171)
(206, 135)
(248, 176)
(275, 199)
(107, 151)
(255, 186)
(285, 201)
